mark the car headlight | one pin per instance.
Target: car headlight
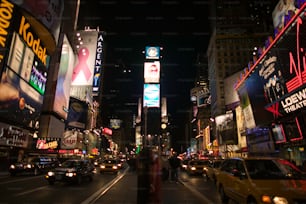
(275, 200)
(70, 174)
(115, 167)
(193, 168)
(280, 200)
(102, 166)
(28, 166)
(12, 166)
(50, 173)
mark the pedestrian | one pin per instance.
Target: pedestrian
(155, 178)
(143, 176)
(165, 168)
(174, 162)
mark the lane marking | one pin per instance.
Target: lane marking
(31, 191)
(196, 192)
(98, 194)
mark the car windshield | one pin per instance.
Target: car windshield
(272, 169)
(199, 162)
(70, 164)
(110, 162)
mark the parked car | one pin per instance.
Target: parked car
(196, 166)
(71, 171)
(261, 180)
(110, 165)
(33, 165)
(211, 169)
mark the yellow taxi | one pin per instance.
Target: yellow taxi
(261, 180)
(196, 166)
(110, 165)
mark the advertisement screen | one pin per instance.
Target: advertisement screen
(152, 52)
(278, 133)
(49, 13)
(85, 62)
(152, 72)
(62, 93)
(23, 84)
(151, 95)
(277, 85)
(226, 127)
(77, 114)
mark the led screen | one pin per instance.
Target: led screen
(152, 72)
(151, 95)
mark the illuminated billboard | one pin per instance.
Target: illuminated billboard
(49, 13)
(62, 93)
(24, 68)
(77, 114)
(86, 66)
(227, 128)
(152, 52)
(151, 95)
(98, 66)
(276, 85)
(152, 72)
(85, 61)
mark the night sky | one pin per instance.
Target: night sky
(180, 27)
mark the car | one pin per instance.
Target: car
(110, 165)
(196, 166)
(184, 164)
(34, 165)
(261, 180)
(71, 171)
(211, 169)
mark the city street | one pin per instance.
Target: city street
(105, 188)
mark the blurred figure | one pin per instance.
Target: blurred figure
(143, 176)
(165, 168)
(155, 178)
(174, 166)
(304, 166)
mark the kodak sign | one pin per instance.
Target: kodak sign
(32, 41)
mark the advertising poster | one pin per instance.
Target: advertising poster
(84, 68)
(48, 12)
(62, 93)
(152, 52)
(277, 86)
(226, 127)
(152, 72)
(151, 95)
(77, 114)
(24, 76)
(14, 136)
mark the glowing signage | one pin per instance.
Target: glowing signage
(152, 52)
(98, 66)
(152, 72)
(107, 131)
(151, 95)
